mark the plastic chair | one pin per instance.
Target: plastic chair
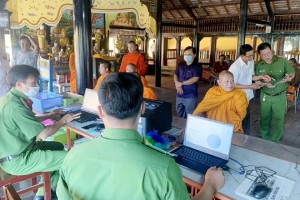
(34, 184)
(10, 193)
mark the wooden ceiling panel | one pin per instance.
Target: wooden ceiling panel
(181, 9)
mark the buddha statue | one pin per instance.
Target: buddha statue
(98, 37)
(41, 34)
(64, 40)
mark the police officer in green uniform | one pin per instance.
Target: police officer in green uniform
(273, 93)
(22, 149)
(118, 165)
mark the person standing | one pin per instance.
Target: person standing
(26, 56)
(186, 78)
(119, 164)
(104, 70)
(243, 73)
(273, 93)
(134, 57)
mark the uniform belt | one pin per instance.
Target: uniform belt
(8, 158)
(276, 94)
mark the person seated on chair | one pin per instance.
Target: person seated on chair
(134, 57)
(295, 81)
(224, 103)
(119, 164)
(104, 70)
(22, 149)
(220, 65)
(148, 92)
(132, 68)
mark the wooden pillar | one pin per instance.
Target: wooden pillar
(165, 51)
(158, 44)
(82, 44)
(2, 31)
(213, 48)
(178, 45)
(242, 22)
(197, 39)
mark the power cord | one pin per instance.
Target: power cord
(240, 169)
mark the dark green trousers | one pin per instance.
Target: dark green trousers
(272, 111)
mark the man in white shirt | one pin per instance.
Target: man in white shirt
(243, 72)
(26, 56)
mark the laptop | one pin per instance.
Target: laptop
(206, 144)
(89, 108)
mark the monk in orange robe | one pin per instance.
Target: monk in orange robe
(224, 103)
(148, 92)
(135, 58)
(72, 73)
(130, 68)
(104, 70)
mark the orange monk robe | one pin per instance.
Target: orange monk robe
(149, 93)
(72, 73)
(135, 58)
(99, 81)
(228, 107)
(144, 81)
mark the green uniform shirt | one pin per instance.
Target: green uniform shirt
(119, 166)
(278, 68)
(18, 125)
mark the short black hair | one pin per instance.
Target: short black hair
(190, 47)
(222, 55)
(23, 37)
(106, 64)
(131, 42)
(245, 48)
(121, 95)
(293, 60)
(21, 73)
(263, 46)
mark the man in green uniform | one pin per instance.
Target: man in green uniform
(118, 165)
(273, 93)
(22, 150)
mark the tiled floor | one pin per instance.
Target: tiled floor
(291, 134)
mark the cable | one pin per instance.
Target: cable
(234, 171)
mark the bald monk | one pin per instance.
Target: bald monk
(130, 68)
(224, 103)
(72, 73)
(148, 92)
(104, 70)
(135, 58)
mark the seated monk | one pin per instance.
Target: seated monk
(224, 103)
(104, 70)
(130, 68)
(148, 92)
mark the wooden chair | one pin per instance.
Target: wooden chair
(10, 193)
(9, 179)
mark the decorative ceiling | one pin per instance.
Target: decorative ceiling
(175, 10)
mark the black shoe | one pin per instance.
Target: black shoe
(53, 195)
(38, 198)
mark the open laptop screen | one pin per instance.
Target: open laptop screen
(210, 136)
(90, 101)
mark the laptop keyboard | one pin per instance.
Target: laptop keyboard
(198, 157)
(85, 116)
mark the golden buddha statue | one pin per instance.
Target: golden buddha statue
(64, 40)
(41, 34)
(98, 36)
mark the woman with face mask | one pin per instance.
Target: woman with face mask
(186, 78)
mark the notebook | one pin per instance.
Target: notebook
(206, 144)
(89, 109)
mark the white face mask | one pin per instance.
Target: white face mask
(32, 91)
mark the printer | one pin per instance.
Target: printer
(157, 116)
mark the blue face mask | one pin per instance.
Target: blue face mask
(188, 59)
